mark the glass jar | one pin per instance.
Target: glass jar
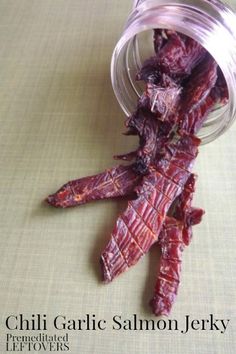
(210, 22)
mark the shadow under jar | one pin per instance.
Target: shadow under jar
(209, 22)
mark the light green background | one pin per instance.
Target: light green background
(59, 120)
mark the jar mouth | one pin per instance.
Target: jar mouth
(136, 45)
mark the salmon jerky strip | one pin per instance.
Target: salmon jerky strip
(172, 242)
(153, 135)
(139, 225)
(176, 233)
(115, 182)
(199, 84)
(183, 210)
(176, 58)
(168, 280)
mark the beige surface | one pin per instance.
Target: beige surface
(59, 121)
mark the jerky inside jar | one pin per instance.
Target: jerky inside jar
(210, 23)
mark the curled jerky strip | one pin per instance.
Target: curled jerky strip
(198, 96)
(177, 58)
(115, 182)
(199, 84)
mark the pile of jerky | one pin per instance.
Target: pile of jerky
(183, 84)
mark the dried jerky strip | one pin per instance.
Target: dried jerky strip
(175, 235)
(180, 55)
(114, 182)
(183, 210)
(152, 136)
(138, 227)
(168, 280)
(140, 224)
(221, 90)
(160, 37)
(176, 58)
(199, 84)
(172, 240)
(198, 97)
(193, 121)
(177, 156)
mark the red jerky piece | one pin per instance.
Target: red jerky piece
(139, 226)
(199, 84)
(114, 182)
(221, 89)
(183, 210)
(152, 137)
(176, 58)
(158, 39)
(146, 126)
(175, 235)
(178, 156)
(161, 36)
(199, 96)
(193, 121)
(179, 56)
(167, 285)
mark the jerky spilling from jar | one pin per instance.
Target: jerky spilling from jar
(183, 83)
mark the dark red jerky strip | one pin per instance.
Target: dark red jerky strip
(184, 212)
(193, 217)
(179, 158)
(156, 180)
(152, 137)
(140, 225)
(146, 126)
(166, 60)
(221, 89)
(114, 182)
(184, 201)
(123, 252)
(199, 85)
(177, 58)
(192, 122)
(180, 154)
(198, 96)
(174, 173)
(189, 144)
(168, 280)
(145, 215)
(160, 37)
(176, 233)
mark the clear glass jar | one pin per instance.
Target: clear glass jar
(210, 22)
